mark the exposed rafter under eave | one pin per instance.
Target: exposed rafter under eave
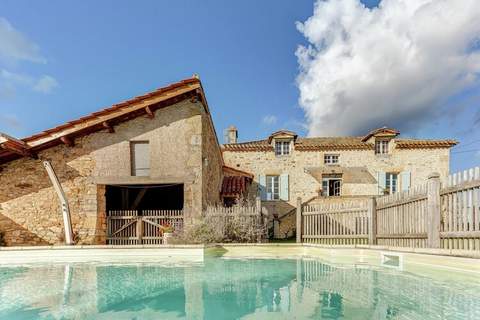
(16, 146)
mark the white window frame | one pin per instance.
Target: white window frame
(282, 147)
(272, 186)
(331, 159)
(326, 187)
(381, 146)
(391, 182)
(135, 170)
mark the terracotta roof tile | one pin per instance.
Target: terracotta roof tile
(234, 185)
(116, 113)
(336, 143)
(428, 144)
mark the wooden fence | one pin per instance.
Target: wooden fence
(339, 223)
(401, 218)
(460, 211)
(433, 215)
(126, 227)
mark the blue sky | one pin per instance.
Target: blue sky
(85, 55)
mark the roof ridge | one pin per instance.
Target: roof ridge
(114, 107)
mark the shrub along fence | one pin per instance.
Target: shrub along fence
(238, 223)
(428, 216)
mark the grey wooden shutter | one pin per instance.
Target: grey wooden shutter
(140, 159)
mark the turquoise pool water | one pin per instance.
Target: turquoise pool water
(230, 289)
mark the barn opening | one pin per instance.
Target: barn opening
(144, 197)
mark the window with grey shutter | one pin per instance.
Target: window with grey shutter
(140, 158)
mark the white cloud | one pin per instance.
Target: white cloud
(14, 46)
(269, 119)
(16, 78)
(11, 80)
(45, 84)
(394, 65)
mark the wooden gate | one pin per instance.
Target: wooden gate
(126, 227)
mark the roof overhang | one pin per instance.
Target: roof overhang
(105, 119)
(356, 175)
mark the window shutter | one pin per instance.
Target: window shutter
(405, 180)
(284, 187)
(381, 179)
(140, 161)
(262, 180)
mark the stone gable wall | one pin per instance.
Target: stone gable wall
(212, 174)
(29, 208)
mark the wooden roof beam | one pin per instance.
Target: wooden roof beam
(16, 146)
(68, 141)
(108, 126)
(149, 112)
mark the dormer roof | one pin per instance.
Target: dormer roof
(381, 132)
(282, 134)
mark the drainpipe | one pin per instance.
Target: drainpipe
(63, 202)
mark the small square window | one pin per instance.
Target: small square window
(282, 148)
(331, 159)
(381, 147)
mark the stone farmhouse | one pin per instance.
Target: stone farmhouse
(160, 151)
(286, 167)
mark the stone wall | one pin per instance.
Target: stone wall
(29, 208)
(212, 165)
(420, 162)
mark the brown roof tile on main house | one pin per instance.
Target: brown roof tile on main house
(427, 144)
(332, 143)
(105, 119)
(304, 144)
(337, 143)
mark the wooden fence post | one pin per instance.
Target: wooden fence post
(258, 203)
(299, 220)
(139, 229)
(372, 223)
(433, 211)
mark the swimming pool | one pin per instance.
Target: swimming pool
(229, 285)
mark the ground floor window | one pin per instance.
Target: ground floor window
(391, 183)
(273, 187)
(331, 185)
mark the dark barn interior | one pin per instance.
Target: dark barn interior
(145, 197)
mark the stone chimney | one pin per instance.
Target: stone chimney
(232, 135)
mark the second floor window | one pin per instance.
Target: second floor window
(381, 147)
(140, 158)
(282, 148)
(273, 188)
(331, 159)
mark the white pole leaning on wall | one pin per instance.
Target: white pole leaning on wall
(63, 203)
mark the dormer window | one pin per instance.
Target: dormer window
(381, 146)
(282, 148)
